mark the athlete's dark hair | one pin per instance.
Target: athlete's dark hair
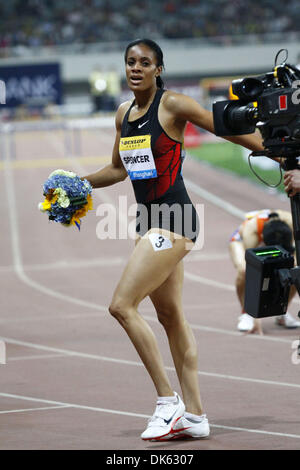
(277, 232)
(157, 51)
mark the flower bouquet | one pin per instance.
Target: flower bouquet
(67, 198)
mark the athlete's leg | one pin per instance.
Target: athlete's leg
(146, 270)
(167, 300)
(237, 255)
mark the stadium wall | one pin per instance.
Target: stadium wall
(180, 61)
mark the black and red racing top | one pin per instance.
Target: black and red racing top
(152, 159)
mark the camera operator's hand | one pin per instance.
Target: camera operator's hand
(292, 182)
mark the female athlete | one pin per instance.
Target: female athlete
(149, 148)
(260, 227)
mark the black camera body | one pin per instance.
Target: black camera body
(269, 102)
(268, 281)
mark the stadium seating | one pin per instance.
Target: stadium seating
(34, 23)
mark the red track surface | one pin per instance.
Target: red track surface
(72, 379)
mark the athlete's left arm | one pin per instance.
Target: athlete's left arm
(185, 108)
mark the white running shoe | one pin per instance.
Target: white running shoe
(246, 322)
(189, 427)
(163, 419)
(287, 321)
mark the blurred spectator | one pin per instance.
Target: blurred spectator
(46, 22)
(98, 88)
(105, 88)
(113, 89)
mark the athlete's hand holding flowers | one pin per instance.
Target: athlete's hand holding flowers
(67, 198)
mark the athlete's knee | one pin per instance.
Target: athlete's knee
(120, 310)
(169, 315)
(241, 275)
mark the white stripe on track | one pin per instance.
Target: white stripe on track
(67, 352)
(223, 331)
(36, 356)
(209, 282)
(19, 268)
(17, 257)
(256, 431)
(217, 201)
(101, 262)
(45, 408)
(139, 415)
(72, 405)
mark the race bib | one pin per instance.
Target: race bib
(159, 242)
(137, 157)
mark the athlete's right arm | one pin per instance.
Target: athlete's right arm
(115, 171)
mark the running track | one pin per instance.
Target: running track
(72, 379)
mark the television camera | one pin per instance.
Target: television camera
(270, 103)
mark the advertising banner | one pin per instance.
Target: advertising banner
(31, 85)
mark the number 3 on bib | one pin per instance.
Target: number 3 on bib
(159, 242)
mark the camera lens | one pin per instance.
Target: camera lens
(241, 118)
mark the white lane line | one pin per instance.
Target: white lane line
(36, 356)
(230, 209)
(139, 415)
(256, 431)
(44, 408)
(194, 326)
(202, 306)
(18, 266)
(193, 257)
(68, 264)
(79, 316)
(209, 282)
(40, 318)
(223, 331)
(100, 262)
(66, 352)
(217, 201)
(72, 405)
(17, 257)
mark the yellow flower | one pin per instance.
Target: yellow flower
(49, 200)
(82, 211)
(46, 205)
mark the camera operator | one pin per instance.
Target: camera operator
(262, 227)
(292, 182)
